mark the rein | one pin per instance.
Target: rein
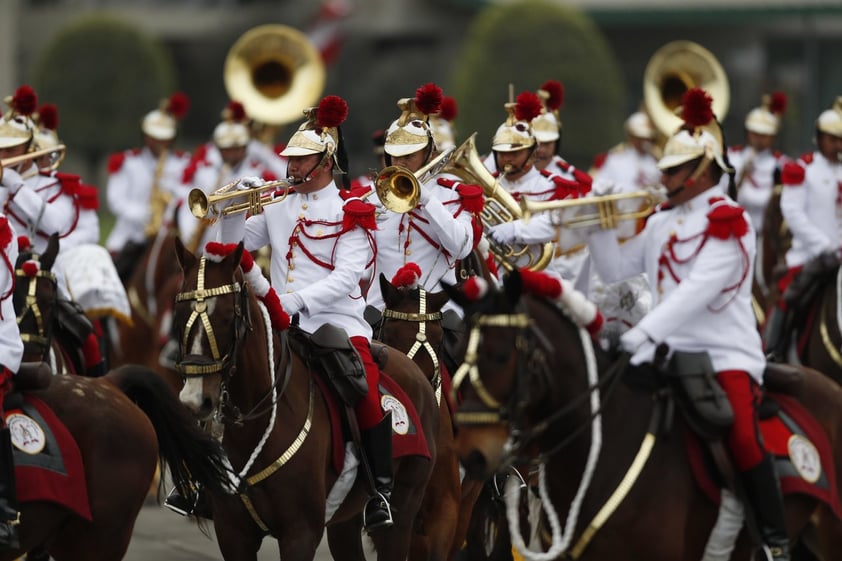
(829, 346)
(41, 338)
(421, 317)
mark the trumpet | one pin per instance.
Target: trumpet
(203, 205)
(15, 160)
(604, 211)
(399, 189)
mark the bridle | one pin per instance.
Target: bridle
(39, 342)
(421, 317)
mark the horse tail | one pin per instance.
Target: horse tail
(191, 454)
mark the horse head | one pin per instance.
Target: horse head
(35, 297)
(210, 320)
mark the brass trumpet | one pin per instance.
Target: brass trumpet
(203, 205)
(604, 212)
(399, 189)
(15, 160)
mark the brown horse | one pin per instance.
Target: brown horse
(123, 423)
(275, 425)
(534, 386)
(772, 246)
(35, 299)
(151, 290)
(412, 323)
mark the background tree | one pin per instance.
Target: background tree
(527, 43)
(104, 75)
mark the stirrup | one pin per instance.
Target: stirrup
(180, 504)
(381, 506)
(774, 553)
(9, 540)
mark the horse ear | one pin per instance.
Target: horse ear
(454, 293)
(437, 300)
(49, 256)
(185, 258)
(513, 286)
(388, 291)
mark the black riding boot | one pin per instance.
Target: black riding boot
(9, 516)
(377, 447)
(192, 503)
(763, 492)
(776, 335)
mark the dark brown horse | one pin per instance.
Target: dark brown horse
(123, 423)
(535, 387)
(412, 323)
(275, 425)
(151, 290)
(774, 241)
(35, 299)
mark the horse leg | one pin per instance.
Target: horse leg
(411, 476)
(825, 537)
(345, 540)
(471, 489)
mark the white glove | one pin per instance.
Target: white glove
(633, 339)
(12, 181)
(504, 233)
(602, 187)
(292, 303)
(250, 182)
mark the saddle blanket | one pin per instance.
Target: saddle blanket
(803, 456)
(407, 437)
(90, 278)
(48, 464)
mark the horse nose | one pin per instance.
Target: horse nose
(475, 465)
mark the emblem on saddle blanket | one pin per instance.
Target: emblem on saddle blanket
(48, 464)
(801, 451)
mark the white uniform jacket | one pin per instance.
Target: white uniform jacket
(698, 258)
(11, 344)
(628, 170)
(434, 236)
(313, 255)
(755, 175)
(811, 204)
(129, 188)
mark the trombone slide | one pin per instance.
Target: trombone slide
(602, 210)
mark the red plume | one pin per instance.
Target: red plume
(448, 109)
(556, 92)
(48, 116)
(332, 112)
(178, 105)
(428, 98)
(24, 243)
(25, 101)
(407, 276)
(697, 108)
(236, 111)
(778, 103)
(527, 106)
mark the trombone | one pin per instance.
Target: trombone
(15, 160)
(203, 205)
(601, 210)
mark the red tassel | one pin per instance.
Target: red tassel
(726, 221)
(492, 265)
(358, 213)
(540, 284)
(448, 110)
(24, 243)
(407, 276)
(792, 174)
(178, 105)
(472, 197)
(527, 106)
(475, 288)
(30, 268)
(48, 116)
(428, 98)
(220, 249)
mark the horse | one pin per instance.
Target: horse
(123, 423)
(412, 323)
(151, 289)
(273, 415)
(773, 243)
(535, 387)
(35, 299)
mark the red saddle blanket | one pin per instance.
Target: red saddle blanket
(803, 457)
(48, 464)
(407, 436)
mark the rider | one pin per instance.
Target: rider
(321, 244)
(11, 352)
(698, 257)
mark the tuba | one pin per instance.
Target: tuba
(275, 72)
(675, 68)
(499, 207)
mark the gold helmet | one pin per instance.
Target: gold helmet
(161, 123)
(699, 137)
(830, 121)
(766, 119)
(233, 130)
(411, 132)
(547, 125)
(516, 132)
(441, 124)
(319, 134)
(17, 126)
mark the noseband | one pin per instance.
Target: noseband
(39, 341)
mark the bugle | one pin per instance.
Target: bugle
(15, 160)
(600, 210)
(399, 189)
(204, 205)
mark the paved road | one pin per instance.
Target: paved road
(162, 535)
